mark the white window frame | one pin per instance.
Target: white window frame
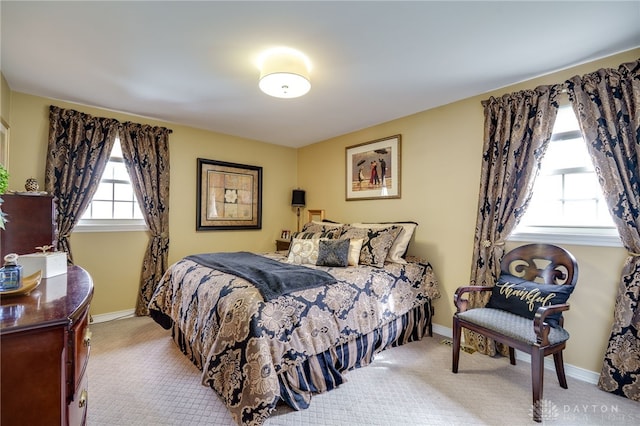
(110, 225)
(576, 235)
(582, 236)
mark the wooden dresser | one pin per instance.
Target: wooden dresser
(44, 351)
(31, 223)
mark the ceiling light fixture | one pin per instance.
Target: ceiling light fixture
(284, 73)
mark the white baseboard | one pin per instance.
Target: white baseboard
(442, 330)
(127, 313)
(570, 370)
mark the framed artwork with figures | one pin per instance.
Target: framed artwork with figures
(373, 169)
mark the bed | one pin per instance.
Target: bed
(257, 349)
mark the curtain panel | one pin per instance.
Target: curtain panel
(517, 131)
(78, 150)
(607, 104)
(146, 155)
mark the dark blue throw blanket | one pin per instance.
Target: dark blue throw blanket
(271, 277)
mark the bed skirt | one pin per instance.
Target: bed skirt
(324, 372)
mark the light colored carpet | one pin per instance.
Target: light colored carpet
(138, 376)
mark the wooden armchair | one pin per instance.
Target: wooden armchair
(525, 310)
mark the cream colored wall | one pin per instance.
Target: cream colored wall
(5, 100)
(441, 151)
(114, 259)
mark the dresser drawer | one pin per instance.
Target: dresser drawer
(77, 407)
(80, 337)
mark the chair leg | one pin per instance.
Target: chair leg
(537, 381)
(557, 359)
(457, 331)
(512, 356)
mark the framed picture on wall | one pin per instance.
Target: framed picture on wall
(373, 169)
(229, 196)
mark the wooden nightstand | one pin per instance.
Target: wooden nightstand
(282, 244)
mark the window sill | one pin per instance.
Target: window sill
(602, 237)
(111, 226)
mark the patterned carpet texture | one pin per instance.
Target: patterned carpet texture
(138, 376)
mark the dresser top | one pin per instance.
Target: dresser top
(57, 300)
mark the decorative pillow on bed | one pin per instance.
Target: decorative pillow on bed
(304, 251)
(523, 298)
(355, 244)
(315, 227)
(312, 235)
(304, 235)
(400, 246)
(333, 253)
(376, 243)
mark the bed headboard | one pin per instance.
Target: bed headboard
(315, 215)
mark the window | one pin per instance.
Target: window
(114, 206)
(567, 205)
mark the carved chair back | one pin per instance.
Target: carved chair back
(541, 263)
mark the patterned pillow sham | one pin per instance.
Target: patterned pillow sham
(305, 235)
(400, 246)
(333, 253)
(304, 251)
(315, 227)
(376, 243)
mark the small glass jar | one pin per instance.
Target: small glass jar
(10, 273)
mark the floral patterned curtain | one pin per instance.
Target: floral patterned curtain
(607, 103)
(517, 131)
(78, 152)
(146, 155)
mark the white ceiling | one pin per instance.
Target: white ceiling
(193, 63)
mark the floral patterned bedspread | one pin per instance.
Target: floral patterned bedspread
(242, 343)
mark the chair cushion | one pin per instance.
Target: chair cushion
(523, 298)
(511, 325)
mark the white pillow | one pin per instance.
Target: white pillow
(401, 244)
(355, 244)
(304, 250)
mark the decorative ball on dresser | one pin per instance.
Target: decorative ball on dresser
(31, 185)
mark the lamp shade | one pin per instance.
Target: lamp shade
(284, 73)
(297, 198)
